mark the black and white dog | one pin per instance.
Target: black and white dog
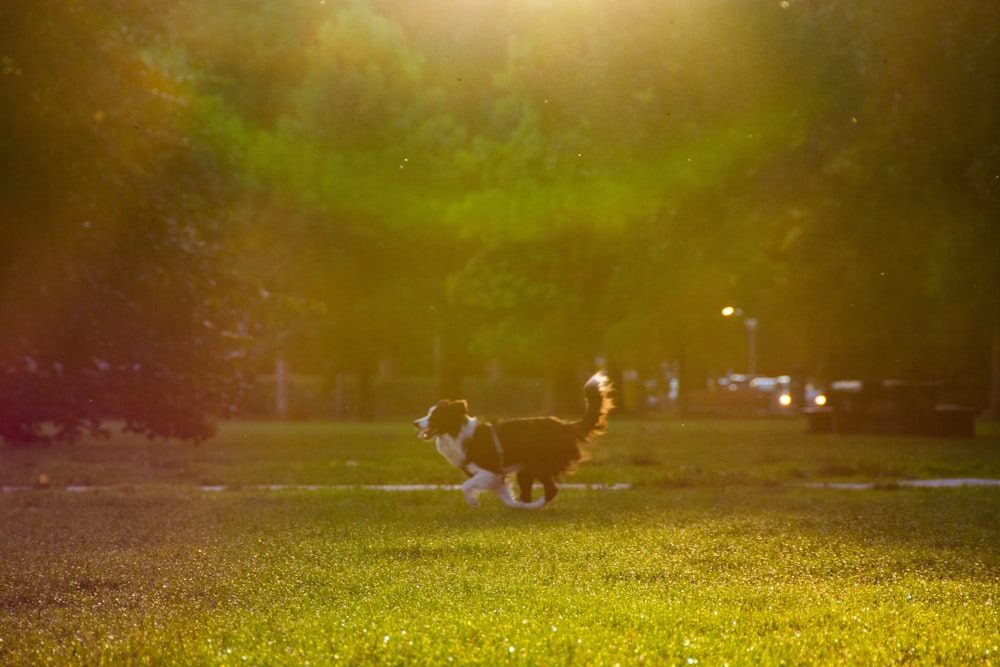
(535, 448)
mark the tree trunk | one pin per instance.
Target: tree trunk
(563, 395)
(366, 397)
(449, 366)
(281, 386)
(993, 404)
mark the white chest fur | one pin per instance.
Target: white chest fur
(453, 448)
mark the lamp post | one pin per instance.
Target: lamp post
(750, 324)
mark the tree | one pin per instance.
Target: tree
(114, 302)
(894, 261)
(341, 152)
(535, 182)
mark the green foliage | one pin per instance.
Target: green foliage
(381, 161)
(116, 301)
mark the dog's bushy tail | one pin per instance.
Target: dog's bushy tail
(597, 391)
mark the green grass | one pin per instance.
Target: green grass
(651, 453)
(717, 556)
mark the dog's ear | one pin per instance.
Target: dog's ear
(464, 405)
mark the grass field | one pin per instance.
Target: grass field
(720, 553)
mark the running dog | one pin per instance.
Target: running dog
(533, 448)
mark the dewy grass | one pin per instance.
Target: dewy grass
(738, 576)
(738, 571)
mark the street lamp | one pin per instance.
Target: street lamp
(750, 324)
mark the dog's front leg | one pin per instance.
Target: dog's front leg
(481, 480)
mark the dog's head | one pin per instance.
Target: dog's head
(446, 417)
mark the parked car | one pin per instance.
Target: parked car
(780, 390)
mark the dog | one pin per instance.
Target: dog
(533, 448)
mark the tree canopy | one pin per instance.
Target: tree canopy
(191, 185)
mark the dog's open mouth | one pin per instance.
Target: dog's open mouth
(427, 433)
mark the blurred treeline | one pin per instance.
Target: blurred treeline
(190, 188)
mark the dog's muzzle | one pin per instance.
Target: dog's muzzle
(424, 429)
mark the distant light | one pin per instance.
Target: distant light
(820, 400)
(785, 400)
(728, 310)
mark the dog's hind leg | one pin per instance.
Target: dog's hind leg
(484, 480)
(524, 482)
(550, 488)
(503, 491)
